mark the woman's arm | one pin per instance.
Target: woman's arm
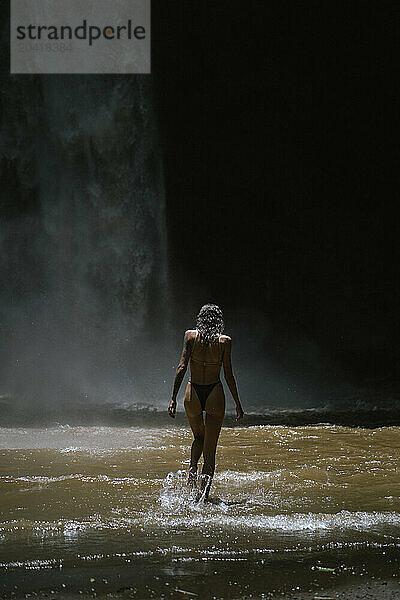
(180, 373)
(230, 378)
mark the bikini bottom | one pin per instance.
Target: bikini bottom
(203, 391)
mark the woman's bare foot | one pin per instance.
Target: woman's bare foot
(205, 484)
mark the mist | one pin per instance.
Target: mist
(126, 207)
(84, 300)
(88, 313)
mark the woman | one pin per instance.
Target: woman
(206, 350)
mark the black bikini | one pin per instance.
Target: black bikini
(203, 391)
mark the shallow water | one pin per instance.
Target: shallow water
(78, 501)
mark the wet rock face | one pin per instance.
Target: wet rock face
(82, 234)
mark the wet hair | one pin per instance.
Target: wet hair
(209, 323)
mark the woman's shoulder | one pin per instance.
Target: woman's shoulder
(190, 333)
(225, 339)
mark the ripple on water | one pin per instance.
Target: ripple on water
(76, 488)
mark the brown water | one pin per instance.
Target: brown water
(106, 510)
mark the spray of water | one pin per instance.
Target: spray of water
(83, 241)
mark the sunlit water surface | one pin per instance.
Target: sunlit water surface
(91, 500)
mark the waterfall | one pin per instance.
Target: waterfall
(83, 238)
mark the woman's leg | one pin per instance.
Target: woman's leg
(196, 422)
(215, 410)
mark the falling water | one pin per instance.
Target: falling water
(83, 239)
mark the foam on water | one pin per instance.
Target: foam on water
(209, 520)
(168, 503)
(112, 494)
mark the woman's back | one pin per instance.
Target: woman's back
(205, 359)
